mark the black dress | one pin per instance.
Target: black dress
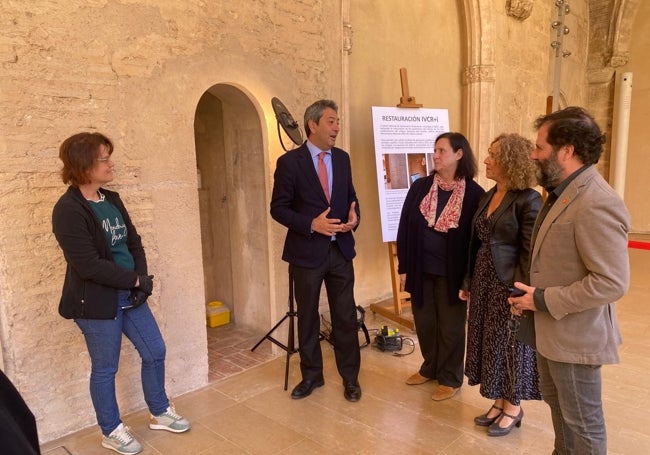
(493, 353)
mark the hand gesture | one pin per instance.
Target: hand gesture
(326, 226)
(353, 220)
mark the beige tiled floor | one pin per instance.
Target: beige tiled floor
(250, 413)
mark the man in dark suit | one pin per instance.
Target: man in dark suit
(579, 268)
(313, 196)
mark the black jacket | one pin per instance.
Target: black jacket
(410, 236)
(298, 198)
(18, 433)
(512, 227)
(92, 278)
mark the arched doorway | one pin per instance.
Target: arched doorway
(233, 208)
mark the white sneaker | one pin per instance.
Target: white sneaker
(169, 421)
(122, 441)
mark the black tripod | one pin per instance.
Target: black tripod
(290, 346)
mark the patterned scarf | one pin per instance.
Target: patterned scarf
(451, 213)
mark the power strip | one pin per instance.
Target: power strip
(388, 339)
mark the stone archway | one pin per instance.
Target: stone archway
(232, 200)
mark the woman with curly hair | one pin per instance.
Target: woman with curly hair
(505, 367)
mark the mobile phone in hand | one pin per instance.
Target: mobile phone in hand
(515, 292)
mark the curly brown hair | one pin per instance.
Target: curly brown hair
(514, 159)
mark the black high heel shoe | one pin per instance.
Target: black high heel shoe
(484, 421)
(496, 430)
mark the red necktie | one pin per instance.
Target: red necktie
(322, 175)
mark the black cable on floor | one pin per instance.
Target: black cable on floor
(389, 340)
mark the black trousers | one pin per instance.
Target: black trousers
(440, 326)
(338, 275)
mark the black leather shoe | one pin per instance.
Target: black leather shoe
(305, 388)
(484, 421)
(496, 430)
(352, 391)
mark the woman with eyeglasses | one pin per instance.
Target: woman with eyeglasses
(106, 288)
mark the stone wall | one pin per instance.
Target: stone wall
(638, 147)
(425, 38)
(135, 71)
(638, 139)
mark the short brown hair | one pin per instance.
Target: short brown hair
(78, 154)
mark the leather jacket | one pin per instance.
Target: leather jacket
(512, 227)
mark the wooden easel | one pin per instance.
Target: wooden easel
(406, 100)
(549, 109)
(401, 299)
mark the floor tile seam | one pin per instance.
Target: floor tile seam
(252, 368)
(235, 356)
(264, 416)
(286, 449)
(240, 363)
(427, 417)
(337, 416)
(228, 363)
(205, 451)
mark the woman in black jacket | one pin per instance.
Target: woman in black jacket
(432, 245)
(502, 227)
(106, 287)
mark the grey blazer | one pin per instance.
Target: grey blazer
(580, 258)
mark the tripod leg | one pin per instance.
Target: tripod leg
(286, 371)
(268, 334)
(290, 348)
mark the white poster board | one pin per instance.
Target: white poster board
(404, 139)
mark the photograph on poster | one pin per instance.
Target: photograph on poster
(417, 166)
(402, 169)
(396, 171)
(404, 139)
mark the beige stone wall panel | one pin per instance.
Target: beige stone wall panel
(135, 70)
(424, 38)
(638, 150)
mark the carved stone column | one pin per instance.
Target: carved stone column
(478, 78)
(478, 83)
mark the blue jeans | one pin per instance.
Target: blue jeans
(104, 340)
(573, 392)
